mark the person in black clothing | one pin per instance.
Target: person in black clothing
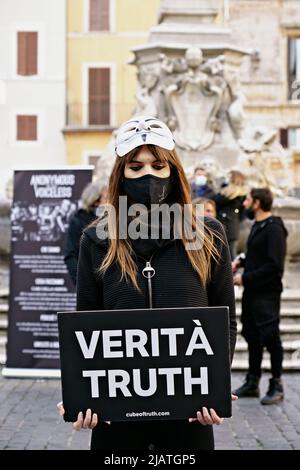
(110, 275)
(263, 271)
(229, 203)
(92, 197)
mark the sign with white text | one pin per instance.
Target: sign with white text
(145, 364)
(40, 285)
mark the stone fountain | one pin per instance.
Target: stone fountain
(188, 76)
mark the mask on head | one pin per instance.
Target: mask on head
(200, 180)
(147, 189)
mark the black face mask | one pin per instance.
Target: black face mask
(147, 189)
(249, 213)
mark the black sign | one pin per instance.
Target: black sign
(40, 285)
(145, 364)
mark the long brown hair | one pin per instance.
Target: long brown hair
(120, 250)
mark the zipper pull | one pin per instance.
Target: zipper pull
(148, 271)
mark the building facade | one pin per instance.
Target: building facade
(32, 85)
(100, 84)
(271, 78)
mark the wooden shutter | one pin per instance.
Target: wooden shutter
(26, 127)
(99, 96)
(27, 53)
(99, 15)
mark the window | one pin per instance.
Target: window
(293, 67)
(294, 138)
(26, 127)
(98, 15)
(27, 53)
(290, 138)
(99, 96)
(93, 160)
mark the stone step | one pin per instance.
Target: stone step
(289, 297)
(3, 322)
(291, 350)
(3, 308)
(284, 336)
(287, 294)
(289, 328)
(289, 364)
(288, 315)
(4, 292)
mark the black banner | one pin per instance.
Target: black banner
(145, 364)
(40, 285)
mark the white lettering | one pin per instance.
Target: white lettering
(189, 381)
(172, 333)
(139, 344)
(169, 373)
(87, 351)
(198, 333)
(137, 383)
(94, 376)
(113, 384)
(108, 343)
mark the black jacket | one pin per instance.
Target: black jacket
(175, 284)
(78, 222)
(264, 263)
(229, 214)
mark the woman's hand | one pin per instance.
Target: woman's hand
(209, 417)
(89, 422)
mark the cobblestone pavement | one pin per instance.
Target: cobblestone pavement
(29, 420)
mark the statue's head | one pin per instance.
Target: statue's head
(193, 57)
(210, 166)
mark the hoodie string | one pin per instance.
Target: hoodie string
(148, 272)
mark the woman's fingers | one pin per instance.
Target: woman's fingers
(90, 420)
(78, 424)
(207, 417)
(61, 409)
(200, 418)
(94, 421)
(234, 397)
(87, 419)
(215, 418)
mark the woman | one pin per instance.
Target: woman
(92, 197)
(147, 170)
(210, 208)
(229, 203)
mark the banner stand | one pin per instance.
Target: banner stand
(44, 201)
(14, 372)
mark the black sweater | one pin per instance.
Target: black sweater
(264, 263)
(175, 284)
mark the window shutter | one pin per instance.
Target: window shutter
(21, 53)
(104, 16)
(26, 127)
(27, 53)
(32, 50)
(99, 15)
(99, 96)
